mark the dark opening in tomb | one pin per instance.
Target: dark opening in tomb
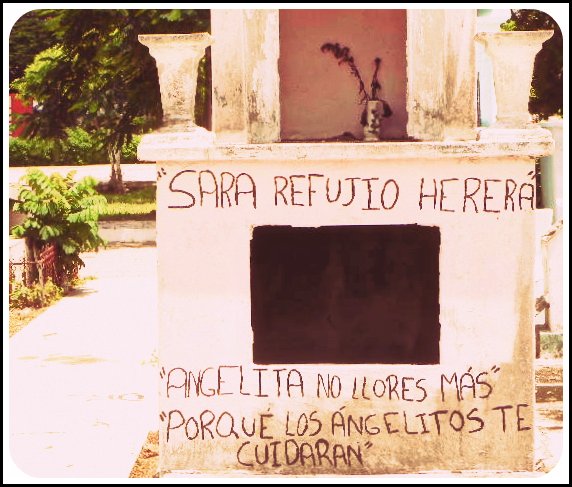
(345, 294)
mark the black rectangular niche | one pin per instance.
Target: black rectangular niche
(345, 294)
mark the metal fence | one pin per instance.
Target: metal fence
(44, 268)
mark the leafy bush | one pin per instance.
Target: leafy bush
(60, 211)
(81, 147)
(129, 150)
(35, 151)
(35, 296)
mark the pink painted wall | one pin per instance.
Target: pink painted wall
(19, 106)
(318, 98)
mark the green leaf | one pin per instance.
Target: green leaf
(18, 231)
(46, 232)
(69, 249)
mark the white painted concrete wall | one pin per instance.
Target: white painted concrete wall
(211, 197)
(486, 278)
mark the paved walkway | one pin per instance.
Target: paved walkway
(83, 383)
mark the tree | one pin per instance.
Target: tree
(99, 77)
(29, 36)
(60, 211)
(547, 84)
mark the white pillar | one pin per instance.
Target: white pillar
(245, 80)
(460, 75)
(425, 68)
(262, 80)
(228, 76)
(441, 85)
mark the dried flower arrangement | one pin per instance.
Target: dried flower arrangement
(342, 54)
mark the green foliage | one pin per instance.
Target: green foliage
(82, 147)
(31, 152)
(78, 147)
(28, 37)
(60, 211)
(35, 296)
(136, 196)
(45, 82)
(551, 345)
(98, 76)
(509, 25)
(137, 202)
(129, 150)
(546, 97)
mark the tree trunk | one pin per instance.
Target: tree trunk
(39, 267)
(30, 266)
(116, 180)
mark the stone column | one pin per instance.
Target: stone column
(177, 57)
(262, 78)
(441, 85)
(460, 75)
(425, 68)
(228, 77)
(512, 55)
(246, 103)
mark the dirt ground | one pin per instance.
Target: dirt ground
(19, 318)
(147, 464)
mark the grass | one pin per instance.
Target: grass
(551, 345)
(137, 204)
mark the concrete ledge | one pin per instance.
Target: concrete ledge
(128, 231)
(183, 147)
